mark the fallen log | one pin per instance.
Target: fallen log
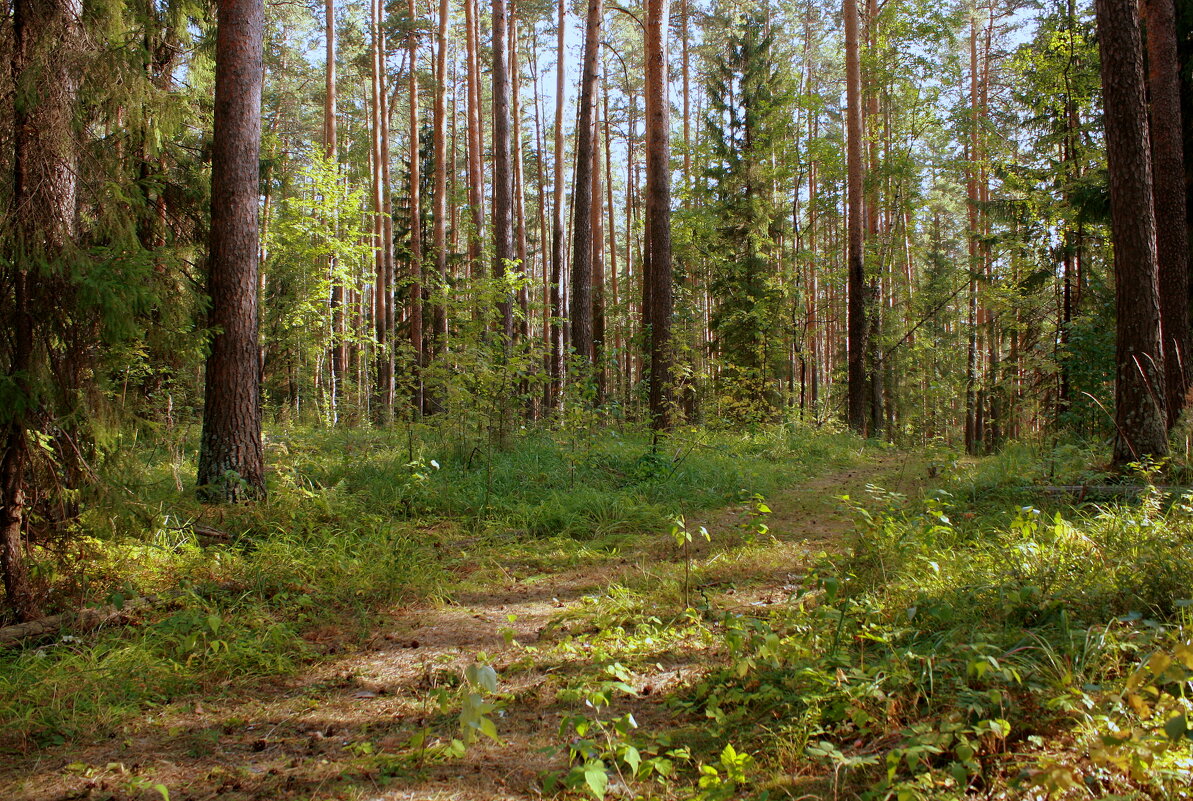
(82, 619)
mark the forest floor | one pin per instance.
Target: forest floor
(555, 627)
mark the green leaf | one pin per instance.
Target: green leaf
(1176, 727)
(597, 779)
(632, 758)
(483, 676)
(489, 729)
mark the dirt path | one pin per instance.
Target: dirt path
(332, 731)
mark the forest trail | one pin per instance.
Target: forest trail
(332, 730)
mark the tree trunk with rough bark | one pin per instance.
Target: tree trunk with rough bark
(582, 197)
(658, 203)
(859, 328)
(231, 462)
(416, 225)
(45, 34)
(1139, 402)
(555, 356)
(503, 177)
(339, 345)
(1168, 193)
(439, 201)
(476, 174)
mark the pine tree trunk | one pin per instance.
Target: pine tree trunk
(859, 329)
(1139, 403)
(439, 143)
(503, 178)
(598, 270)
(476, 178)
(415, 318)
(44, 35)
(231, 464)
(1168, 171)
(555, 366)
(383, 397)
(582, 197)
(973, 429)
(521, 249)
(612, 250)
(658, 202)
(339, 352)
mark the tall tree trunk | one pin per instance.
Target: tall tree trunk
(387, 224)
(45, 34)
(555, 366)
(416, 225)
(382, 295)
(231, 464)
(339, 346)
(658, 203)
(439, 143)
(612, 250)
(503, 179)
(598, 270)
(582, 197)
(476, 176)
(973, 432)
(520, 245)
(687, 140)
(1168, 193)
(543, 232)
(859, 328)
(1139, 402)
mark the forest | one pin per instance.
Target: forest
(692, 401)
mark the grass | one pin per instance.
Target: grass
(355, 521)
(971, 640)
(965, 645)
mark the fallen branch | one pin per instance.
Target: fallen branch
(206, 534)
(83, 619)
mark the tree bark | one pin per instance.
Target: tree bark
(598, 270)
(973, 428)
(416, 226)
(521, 249)
(439, 143)
(555, 365)
(658, 203)
(339, 347)
(476, 176)
(230, 454)
(503, 179)
(859, 328)
(1139, 403)
(582, 197)
(1168, 193)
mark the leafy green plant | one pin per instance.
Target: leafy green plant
(473, 699)
(601, 749)
(683, 541)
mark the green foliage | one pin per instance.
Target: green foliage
(748, 123)
(317, 241)
(953, 636)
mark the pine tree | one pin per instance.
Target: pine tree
(231, 466)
